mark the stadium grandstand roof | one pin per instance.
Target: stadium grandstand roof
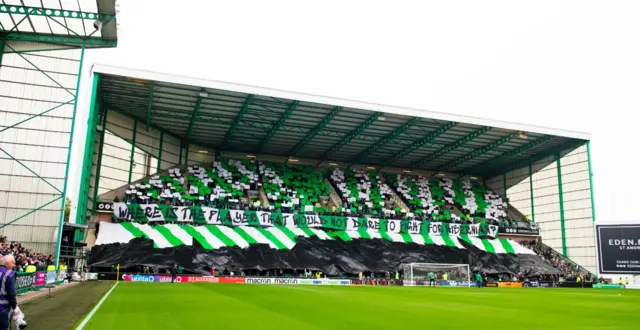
(32, 25)
(261, 121)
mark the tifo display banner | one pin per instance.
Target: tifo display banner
(509, 284)
(619, 249)
(25, 280)
(145, 213)
(51, 277)
(41, 278)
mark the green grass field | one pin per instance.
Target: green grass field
(238, 306)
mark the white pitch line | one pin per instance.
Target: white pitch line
(95, 309)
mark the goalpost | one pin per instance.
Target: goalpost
(419, 274)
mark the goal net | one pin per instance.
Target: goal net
(422, 274)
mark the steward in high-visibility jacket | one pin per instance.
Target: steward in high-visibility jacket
(62, 267)
(30, 269)
(51, 268)
(7, 295)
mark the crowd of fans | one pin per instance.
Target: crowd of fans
(569, 271)
(25, 257)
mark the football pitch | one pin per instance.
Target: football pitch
(240, 306)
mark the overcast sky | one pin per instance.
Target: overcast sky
(573, 65)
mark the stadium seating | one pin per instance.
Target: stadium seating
(293, 187)
(362, 192)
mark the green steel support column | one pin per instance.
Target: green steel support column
(96, 184)
(160, 152)
(180, 156)
(593, 205)
(561, 200)
(150, 103)
(133, 149)
(63, 197)
(186, 154)
(504, 184)
(1, 50)
(533, 211)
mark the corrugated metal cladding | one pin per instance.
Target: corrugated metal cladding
(116, 152)
(40, 143)
(579, 232)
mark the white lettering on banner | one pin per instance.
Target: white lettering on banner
(258, 280)
(212, 215)
(238, 218)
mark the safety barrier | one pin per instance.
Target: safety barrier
(26, 282)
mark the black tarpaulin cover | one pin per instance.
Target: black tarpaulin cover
(332, 257)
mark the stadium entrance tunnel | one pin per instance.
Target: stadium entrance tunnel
(332, 257)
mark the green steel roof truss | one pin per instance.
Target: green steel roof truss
(504, 156)
(236, 121)
(450, 147)
(362, 156)
(418, 144)
(351, 135)
(196, 110)
(477, 152)
(277, 125)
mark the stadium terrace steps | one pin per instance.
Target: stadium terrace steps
(215, 237)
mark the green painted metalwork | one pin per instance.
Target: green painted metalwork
(561, 201)
(478, 152)
(593, 205)
(1, 49)
(96, 183)
(351, 135)
(32, 211)
(196, 110)
(180, 155)
(31, 171)
(91, 42)
(53, 12)
(317, 129)
(160, 152)
(515, 152)
(83, 178)
(44, 73)
(186, 153)
(236, 121)
(150, 103)
(450, 147)
(362, 156)
(534, 158)
(533, 211)
(277, 125)
(504, 185)
(37, 115)
(133, 149)
(418, 144)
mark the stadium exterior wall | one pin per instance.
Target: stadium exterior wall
(36, 150)
(566, 224)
